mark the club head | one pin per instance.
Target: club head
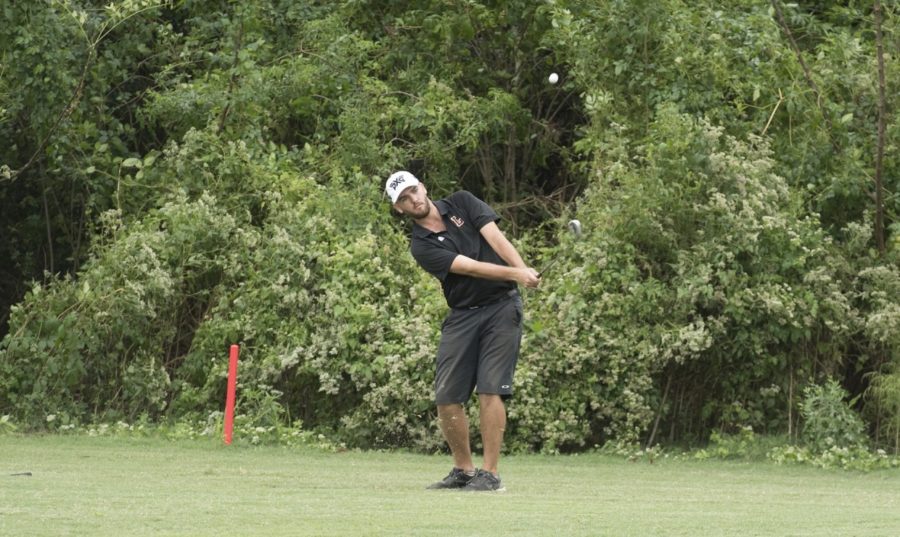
(575, 228)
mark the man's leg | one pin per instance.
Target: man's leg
(493, 425)
(455, 427)
(499, 352)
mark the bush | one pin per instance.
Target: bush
(845, 458)
(884, 389)
(695, 265)
(828, 421)
(109, 343)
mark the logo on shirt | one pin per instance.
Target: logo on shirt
(457, 220)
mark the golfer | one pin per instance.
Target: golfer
(457, 240)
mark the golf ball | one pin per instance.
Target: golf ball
(553, 78)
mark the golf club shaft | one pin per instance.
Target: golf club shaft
(574, 226)
(547, 267)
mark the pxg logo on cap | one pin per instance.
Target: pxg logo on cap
(397, 183)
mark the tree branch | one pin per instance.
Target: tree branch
(807, 74)
(79, 88)
(66, 112)
(238, 44)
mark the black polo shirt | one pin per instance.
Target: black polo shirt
(464, 215)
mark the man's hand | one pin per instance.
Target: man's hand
(529, 277)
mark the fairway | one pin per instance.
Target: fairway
(113, 486)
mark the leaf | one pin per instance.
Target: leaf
(132, 163)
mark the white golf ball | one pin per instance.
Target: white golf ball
(553, 78)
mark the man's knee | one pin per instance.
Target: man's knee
(451, 411)
(490, 399)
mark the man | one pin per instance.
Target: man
(457, 240)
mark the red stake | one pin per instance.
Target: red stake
(229, 396)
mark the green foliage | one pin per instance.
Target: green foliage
(307, 291)
(633, 57)
(488, 121)
(696, 265)
(177, 177)
(856, 458)
(324, 289)
(885, 391)
(7, 426)
(745, 444)
(71, 74)
(108, 343)
(828, 421)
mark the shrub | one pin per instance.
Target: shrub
(695, 265)
(885, 391)
(828, 421)
(109, 342)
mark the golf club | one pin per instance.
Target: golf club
(574, 226)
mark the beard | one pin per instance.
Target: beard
(422, 212)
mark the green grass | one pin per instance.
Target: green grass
(114, 486)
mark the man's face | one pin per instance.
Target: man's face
(413, 201)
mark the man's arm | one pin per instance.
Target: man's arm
(517, 271)
(467, 266)
(501, 245)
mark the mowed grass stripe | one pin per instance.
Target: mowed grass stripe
(115, 486)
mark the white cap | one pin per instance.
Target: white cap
(397, 183)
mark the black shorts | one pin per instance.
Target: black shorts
(479, 347)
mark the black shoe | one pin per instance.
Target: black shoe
(484, 481)
(456, 479)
